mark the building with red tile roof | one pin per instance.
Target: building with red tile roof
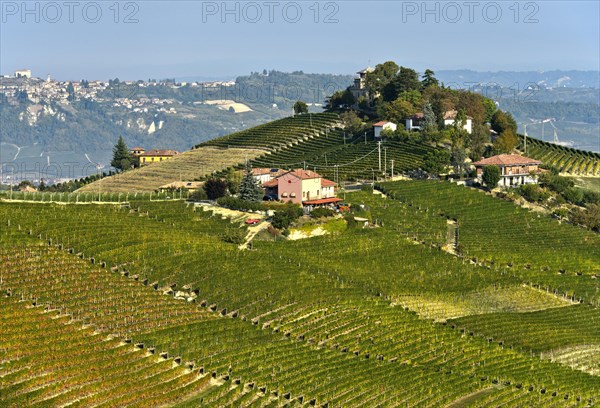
(300, 186)
(514, 169)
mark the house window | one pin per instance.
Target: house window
(304, 194)
(293, 195)
(284, 194)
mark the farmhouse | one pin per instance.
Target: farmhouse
(514, 169)
(383, 125)
(154, 156)
(302, 187)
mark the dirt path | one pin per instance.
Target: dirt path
(469, 399)
(451, 238)
(252, 231)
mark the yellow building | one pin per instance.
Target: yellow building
(155, 156)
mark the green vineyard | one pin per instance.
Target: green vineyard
(566, 159)
(381, 316)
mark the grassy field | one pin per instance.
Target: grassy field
(589, 183)
(345, 320)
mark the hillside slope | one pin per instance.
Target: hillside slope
(185, 167)
(219, 154)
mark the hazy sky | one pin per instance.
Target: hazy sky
(159, 39)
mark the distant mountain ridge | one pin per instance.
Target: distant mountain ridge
(546, 79)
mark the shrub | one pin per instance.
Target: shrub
(235, 203)
(491, 176)
(321, 212)
(573, 195)
(234, 235)
(284, 217)
(198, 195)
(215, 188)
(532, 193)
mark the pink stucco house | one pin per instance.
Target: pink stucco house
(301, 187)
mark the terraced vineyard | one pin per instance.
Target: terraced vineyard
(566, 159)
(310, 322)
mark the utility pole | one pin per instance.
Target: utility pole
(344, 138)
(392, 168)
(365, 137)
(379, 150)
(385, 161)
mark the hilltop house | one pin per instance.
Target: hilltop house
(302, 187)
(414, 122)
(154, 156)
(450, 116)
(383, 125)
(515, 169)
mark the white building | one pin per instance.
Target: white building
(414, 122)
(450, 116)
(380, 126)
(23, 73)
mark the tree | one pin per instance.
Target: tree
(71, 92)
(506, 142)
(250, 190)
(351, 122)
(502, 121)
(457, 159)
(490, 108)
(286, 215)
(491, 176)
(396, 111)
(300, 107)
(215, 188)
(435, 161)
(25, 183)
(122, 158)
(381, 76)
(429, 79)
(341, 99)
(429, 120)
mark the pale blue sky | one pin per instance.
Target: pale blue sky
(190, 38)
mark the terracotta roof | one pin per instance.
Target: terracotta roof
(263, 170)
(452, 115)
(304, 174)
(323, 201)
(271, 183)
(157, 152)
(418, 115)
(137, 148)
(382, 123)
(506, 160)
(328, 183)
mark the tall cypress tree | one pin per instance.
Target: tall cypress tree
(122, 158)
(250, 190)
